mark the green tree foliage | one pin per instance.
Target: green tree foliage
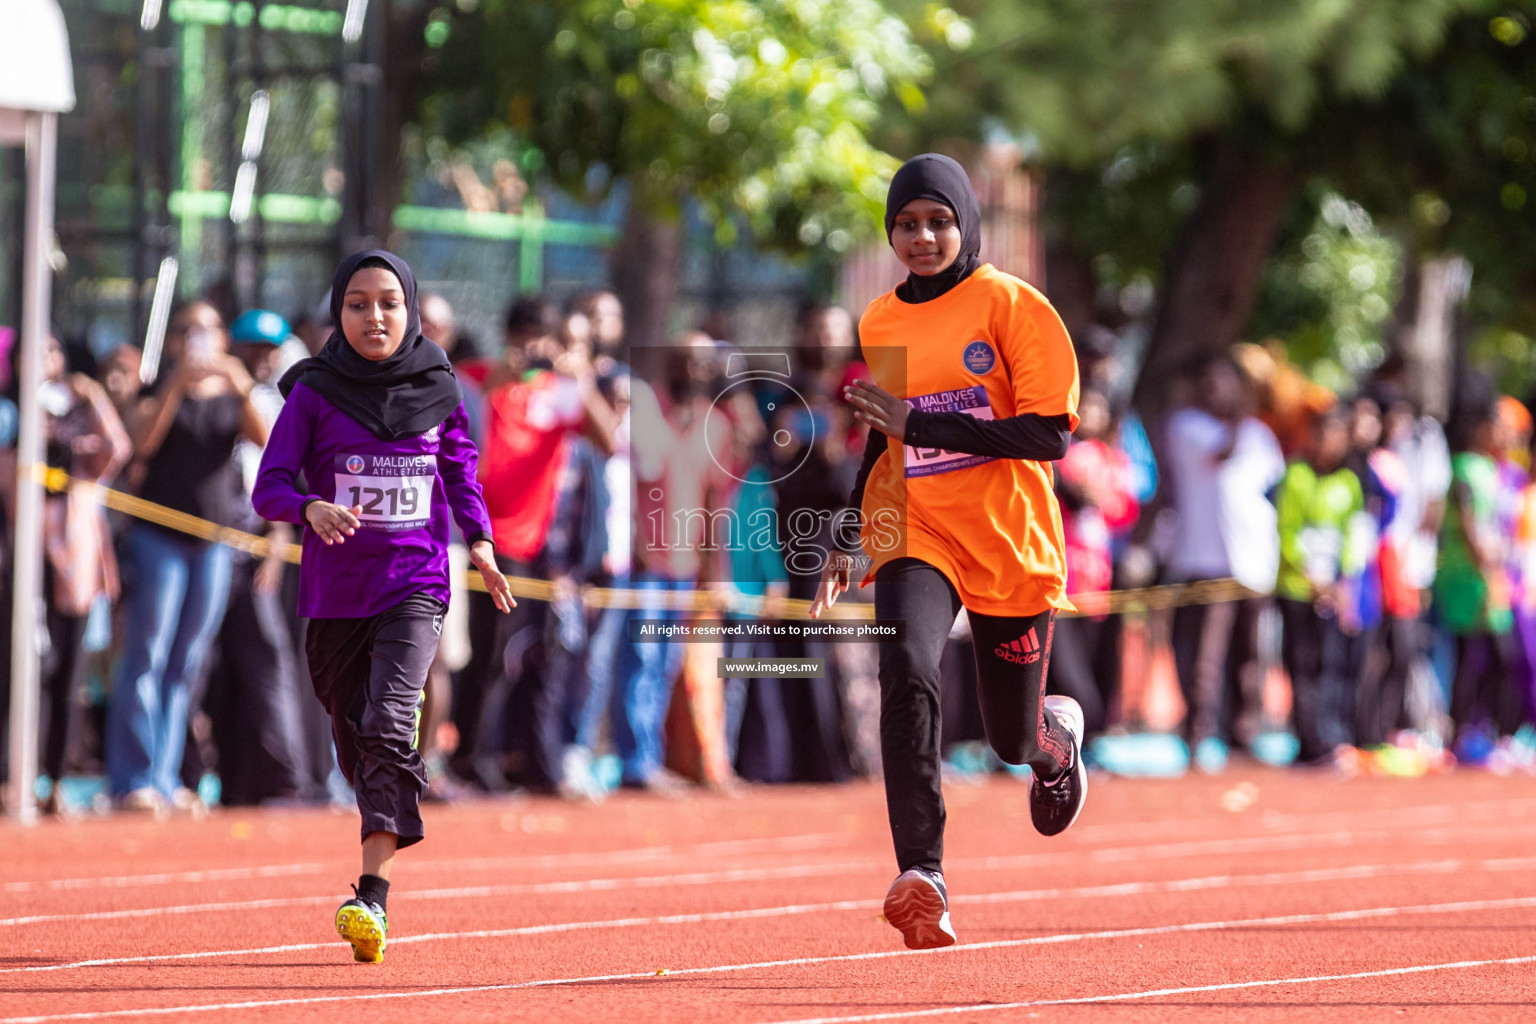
(1328, 290)
(1086, 78)
(1448, 155)
(1174, 135)
(759, 111)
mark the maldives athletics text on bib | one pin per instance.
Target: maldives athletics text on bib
(394, 491)
(927, 461)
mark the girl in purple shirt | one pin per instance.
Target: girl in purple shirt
(371, 455)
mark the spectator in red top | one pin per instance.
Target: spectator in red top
(538, 395)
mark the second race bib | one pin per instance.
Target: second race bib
(927, 461)
(394, 491)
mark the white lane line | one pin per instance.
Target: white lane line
(815, 841)
(1466, 906)
(1342, 874)
(168, 878)
(1413, 816)
(1426, 814)
(1158, 993)
(1157, 851)
(1256, 820)
(1203, 883)
(474, 891)
(1250, 844)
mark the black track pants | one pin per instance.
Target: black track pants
(370, 673)
(1013, 654)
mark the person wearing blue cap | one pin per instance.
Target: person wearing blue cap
(253, 696)
(267, 343)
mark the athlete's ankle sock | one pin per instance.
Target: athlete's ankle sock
(373, 889)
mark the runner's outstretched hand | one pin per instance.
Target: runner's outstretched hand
(334, 523)
(834, 581)
(878, 408)
(483, 555)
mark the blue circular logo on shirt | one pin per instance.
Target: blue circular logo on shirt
(979, 357)
(354, 463)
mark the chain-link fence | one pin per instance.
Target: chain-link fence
(151, 166)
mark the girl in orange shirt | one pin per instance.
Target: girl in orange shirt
(975, 390)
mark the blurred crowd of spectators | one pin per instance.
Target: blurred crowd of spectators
(1389, 618)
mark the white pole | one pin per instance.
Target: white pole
(352, 23)
(41, 135)
(159, 316)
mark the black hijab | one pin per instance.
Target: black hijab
(937, 177)
(404, 395)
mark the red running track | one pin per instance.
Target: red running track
(1257, 895)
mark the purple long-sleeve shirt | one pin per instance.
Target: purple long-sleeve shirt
(407, 490)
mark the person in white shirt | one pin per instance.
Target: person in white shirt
(1222, 464)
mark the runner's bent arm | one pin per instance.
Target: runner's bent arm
(1042, 367)
(1043, 371)
(458, 463)
(874, 447)
(276, 495)
(874, 444)
(1027, 436)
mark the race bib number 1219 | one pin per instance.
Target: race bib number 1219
(394, 493)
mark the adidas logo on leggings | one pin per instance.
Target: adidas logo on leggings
(1023, 651)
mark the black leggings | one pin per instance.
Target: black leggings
(1383, 693)
(1013, 654)
(1316, 655)
(65, 634)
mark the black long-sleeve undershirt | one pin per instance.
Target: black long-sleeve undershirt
(1028, 436)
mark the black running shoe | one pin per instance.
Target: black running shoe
(918, 906)
(1055, 805)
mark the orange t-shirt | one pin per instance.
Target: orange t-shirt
(992, 347)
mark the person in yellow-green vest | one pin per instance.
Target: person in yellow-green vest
(1319, 502)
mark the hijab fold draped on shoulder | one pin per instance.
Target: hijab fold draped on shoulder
(402, 396)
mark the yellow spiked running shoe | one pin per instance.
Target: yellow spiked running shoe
(364, 925)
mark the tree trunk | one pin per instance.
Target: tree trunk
(647, 271)
(1070, 285)
(1399, 329)
(1436, 354)
(1214, 272)
(398, 91)
(376, 106)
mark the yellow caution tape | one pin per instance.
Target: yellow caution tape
(724, 599)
